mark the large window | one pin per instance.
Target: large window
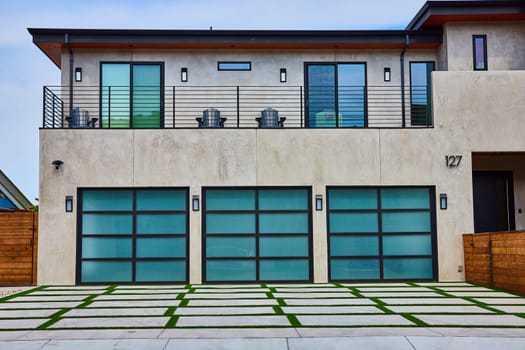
(479, 44)
(384, 233)
(421, 93)
(131, 95)
(132, 235)
(336, 95)
(257, 234)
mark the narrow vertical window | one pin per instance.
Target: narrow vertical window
(479, 43)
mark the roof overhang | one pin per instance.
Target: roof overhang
(12, 192)
(437, 13)
(52, 41)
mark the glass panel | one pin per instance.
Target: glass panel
(6, 202)
(351, 94)
(406, 222)
(353, 222)
(161, 223)
(146, 96)
(359, 198)
(321, 96)
(405, 198)
(230, 223)
(354, 269)
(421, 93)
(354, 246)
(161, 247)
(409, 268)
(407, 245)
(479, 53)
(284, 270)
(230, 270)
(230, 247)
(106, 247)
(283, 246)
(107, 200)
(115, 95)
(235, 66)
(161, 271)
(161, 200)
(283, 199)
(101, 224)
(106, 271)
(230, 200)
(283, 223)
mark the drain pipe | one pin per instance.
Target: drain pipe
(71, 63)
(402, 63)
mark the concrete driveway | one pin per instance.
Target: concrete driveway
(273, 316)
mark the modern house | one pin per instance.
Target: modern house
(209, 156)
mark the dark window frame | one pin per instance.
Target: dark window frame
(225, 69)
(257, 258)
(133, 236)
(474, 55)
(430, 119)
(380, 234)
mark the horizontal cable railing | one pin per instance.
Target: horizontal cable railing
(236, 107)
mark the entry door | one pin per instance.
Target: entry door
(493, 201)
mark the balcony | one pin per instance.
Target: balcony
(237, 107)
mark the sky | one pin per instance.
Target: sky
(24, 69)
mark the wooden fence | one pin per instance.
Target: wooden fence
(18, 248)
(496, 259)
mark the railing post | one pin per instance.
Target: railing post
(109, 107)
(301, 104)
(44, 107)
(53, 106)
(173, 107)
(403, 111)
(238, 111)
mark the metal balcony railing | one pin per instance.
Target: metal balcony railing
(236, 107)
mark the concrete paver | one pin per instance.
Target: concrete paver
(439, 309)
(112, 322)
(502, 301)
(473, 320)
(213, 333)
(307, 295)
(224, 310)
(402, 294)
(231, 290)
(483, 294)
(232, 302)
(148, 291)
(462, 343)
(68, 292)
(309, 290)
(332, 301)
(23, 345)
(225, 295)
(429, 301)
(211, 321)
(340, 343)
(141, 311)
(39, 298)
(230, 344)
(353, 320)
(21, 323)
(331, 310)
(136, 296)
(394, 289)
(27, 313)
(135, 303)
(511, 308)
(39, 305)
(464, 289)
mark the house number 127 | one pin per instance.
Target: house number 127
(453, 161)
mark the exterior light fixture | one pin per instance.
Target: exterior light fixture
(443, 201)
(387, 74)
(69, 204)
(318, 202)
(283, 75)
(184, 75)
(195, 202)
(57, 164)
(78, 74)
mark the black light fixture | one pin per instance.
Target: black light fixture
(69, 204)
(184, 75)
(283, 75)
(443, 201)
(195, 202)
(78, 74)
(387, 74)
(318, 202)
(57, 164)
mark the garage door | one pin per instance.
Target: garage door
(257, 234)
(385, 233)
(132, 235)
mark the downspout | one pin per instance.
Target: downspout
(71, 63)
(402, 63)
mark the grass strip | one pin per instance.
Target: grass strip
(414, 319)
(19, 294)
(170, 311)
(110, 289)
(484, 306)
(381, 305)
(172, 322)
(87, 301)
(277, 310)
(184, 302)
(54, 318)
(281, 302)
(293, 320)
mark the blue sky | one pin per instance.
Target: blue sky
(24, 69)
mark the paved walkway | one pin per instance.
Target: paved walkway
(273, 316)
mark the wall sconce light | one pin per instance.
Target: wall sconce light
(195, 202)
(283, 75)
(184, 75)
(57, 164)
(387, 74)
(443, 201)
(69, 204)
(78, 74)
(318, 202)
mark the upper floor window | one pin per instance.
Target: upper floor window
(243, 66)
(479, 43)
